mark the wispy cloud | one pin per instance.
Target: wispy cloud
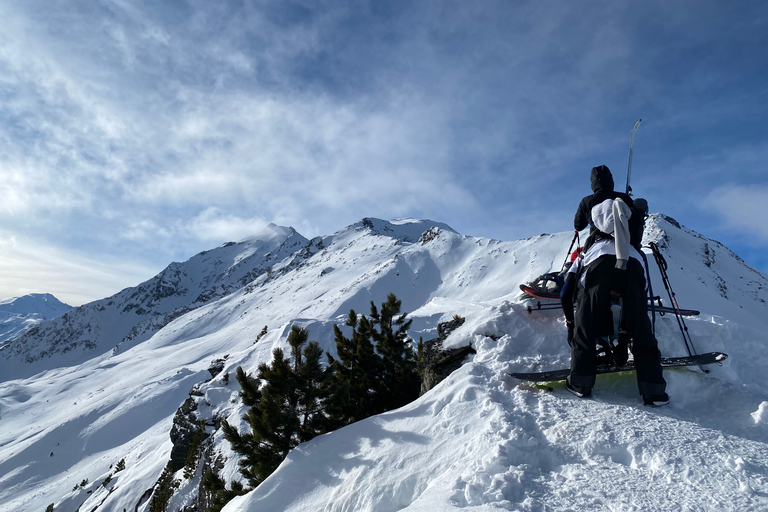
(27, 266)
(742, 209)
(152, 131)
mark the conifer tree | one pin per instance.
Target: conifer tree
(376, 369)
(312, 386)
(286, 407)
(219, 494)
(400, 377)
(356, 374)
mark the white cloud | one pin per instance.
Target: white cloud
(28, 266)
(209, 226)
(742, 208)
(212, 224)
(190, 124)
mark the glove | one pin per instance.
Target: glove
(569, 326)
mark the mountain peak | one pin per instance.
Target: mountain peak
(43, 304)
(270, 232)
(19, 314)
(407, 230)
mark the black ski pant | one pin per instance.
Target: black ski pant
(593, 314)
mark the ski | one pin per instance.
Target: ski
(629, 166)
(553, 302)
(662, 310)
(666, 362)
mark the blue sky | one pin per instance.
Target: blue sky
(136, 133)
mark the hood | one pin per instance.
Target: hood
(602, 179)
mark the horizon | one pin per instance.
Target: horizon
(247, 238)
(136, 135)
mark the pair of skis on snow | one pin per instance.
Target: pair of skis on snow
(692, 359)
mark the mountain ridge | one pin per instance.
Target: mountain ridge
(121, 404)
(20, 314)
(134, 314)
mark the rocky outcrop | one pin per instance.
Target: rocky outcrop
(436, 362)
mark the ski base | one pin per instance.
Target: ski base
(666, 362)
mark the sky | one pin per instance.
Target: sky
(137, 133)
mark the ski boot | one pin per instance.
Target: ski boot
(621, 348)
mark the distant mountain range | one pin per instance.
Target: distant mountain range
(19, 314)
(135, 314)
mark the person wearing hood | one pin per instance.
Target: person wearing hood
(612, 261)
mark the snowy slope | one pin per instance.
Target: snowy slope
(135, 314)
(482, 441)
(479, 441)
(19, 314)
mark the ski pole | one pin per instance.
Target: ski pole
(650, 294)
(567, 254)
(662, 264)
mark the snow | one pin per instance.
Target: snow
(478, 441)
(19, 314)
(483, 441)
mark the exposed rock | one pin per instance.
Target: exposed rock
(438, 363)
(217, 366)
(671, 221)
(429, 235)
(185, 425)
(213, 461)
(144, 498)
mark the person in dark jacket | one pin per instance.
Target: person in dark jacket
(611, 263)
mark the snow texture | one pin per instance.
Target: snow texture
(479, 441)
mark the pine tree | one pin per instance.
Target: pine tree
(270, 419)
(219, 494)
(356, 377)
(312, 386)
(376, 369)
(286, 410)
(400, 376)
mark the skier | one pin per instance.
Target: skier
(611, 262)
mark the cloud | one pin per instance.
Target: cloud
(212, 224)
(742, 209)
(28, 266)
(150, 130)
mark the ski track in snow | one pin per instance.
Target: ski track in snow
(479, 441)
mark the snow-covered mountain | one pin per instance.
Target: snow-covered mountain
(19, 314)
(135, 314)
(477, 441)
